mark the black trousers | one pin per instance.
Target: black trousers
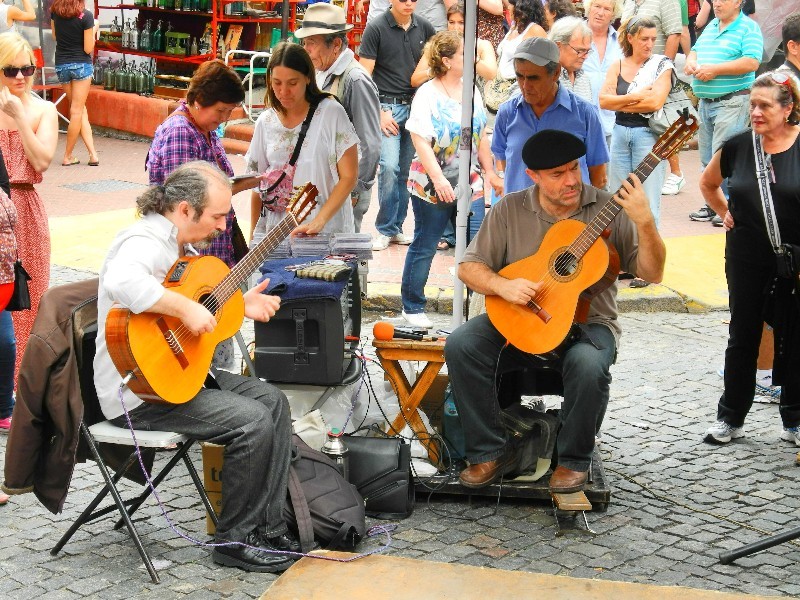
(749, 286)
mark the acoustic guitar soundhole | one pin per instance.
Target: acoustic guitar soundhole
(564, 265)
(210, 302)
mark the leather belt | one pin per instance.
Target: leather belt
(21, 186)
(395, 99)
(729, 96)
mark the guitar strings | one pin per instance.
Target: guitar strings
(589, 235)
(226, 288)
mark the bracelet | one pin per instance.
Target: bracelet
(501, 174)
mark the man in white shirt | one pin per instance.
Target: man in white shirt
(247, 416)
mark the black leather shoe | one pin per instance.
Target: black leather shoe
(287, 542)
(257, 556)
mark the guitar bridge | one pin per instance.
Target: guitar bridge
(539, 311)
(173, 343)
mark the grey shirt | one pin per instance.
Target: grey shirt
(396, 51)
(359, 96)
(515, 227)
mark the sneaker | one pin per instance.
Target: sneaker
(672, 185)
(381, 242)
(418, 320)
(765, 388)
(401, 238)
(791, 434)
(722, 433)
(704, 214)
(716, 221)
(5, 425)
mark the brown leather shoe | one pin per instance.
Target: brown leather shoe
(482, 474)
(566, 481)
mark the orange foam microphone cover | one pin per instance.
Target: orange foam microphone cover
(383, 331)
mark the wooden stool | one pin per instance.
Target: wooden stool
(409, 396)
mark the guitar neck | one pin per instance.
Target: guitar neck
(254, 259)
(596, 226)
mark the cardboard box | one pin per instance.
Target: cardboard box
(212, 479)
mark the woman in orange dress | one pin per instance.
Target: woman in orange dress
(28, 138)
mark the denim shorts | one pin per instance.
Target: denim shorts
(74, 72)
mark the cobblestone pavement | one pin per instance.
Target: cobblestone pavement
(676, 502)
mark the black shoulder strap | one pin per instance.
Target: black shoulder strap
(305, 526)
(303, 131)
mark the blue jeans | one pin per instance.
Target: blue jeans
(8, 353)
(430, 221)
(74, 72)
(629, 146)
(476, 214)
(396, 154)
(720, 121)
(476, 354)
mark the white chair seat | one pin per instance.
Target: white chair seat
(108, 433)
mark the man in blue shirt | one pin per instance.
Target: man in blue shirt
(543, 104)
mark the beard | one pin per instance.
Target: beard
(205, 243)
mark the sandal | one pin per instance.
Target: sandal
(70, 163)
(638, 283)
(443, 245)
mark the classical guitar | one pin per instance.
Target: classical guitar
(167, 363)
(572, 264)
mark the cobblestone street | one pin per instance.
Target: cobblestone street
(676, 502)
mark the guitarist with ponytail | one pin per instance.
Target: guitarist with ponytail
(529, 261)
(141, 281)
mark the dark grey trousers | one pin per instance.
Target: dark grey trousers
(252, 420)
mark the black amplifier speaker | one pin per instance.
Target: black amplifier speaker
(305, 341)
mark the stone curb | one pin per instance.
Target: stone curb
(385, 297)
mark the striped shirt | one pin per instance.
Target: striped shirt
(582, 85)
(741, 39)
(665, 13)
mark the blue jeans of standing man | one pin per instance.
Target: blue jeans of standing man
(396, 154)
(8, 353)
(477, 354)
(629, 146)
(251, 419)
(719, 122)
(430, 221)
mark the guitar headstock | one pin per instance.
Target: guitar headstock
(676, 136)
(303, 201)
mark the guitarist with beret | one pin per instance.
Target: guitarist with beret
(247, 416)
(524, 260)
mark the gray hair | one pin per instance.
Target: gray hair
(563, 29)
(616, 7)
(188, 182)
(329, 38)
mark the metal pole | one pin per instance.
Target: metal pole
(728, 557)
(285, 20)
(464, 197)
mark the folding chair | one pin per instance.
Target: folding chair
(84, 326)
(249, 72)
(44, 87)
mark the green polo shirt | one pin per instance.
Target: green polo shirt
(740, 39)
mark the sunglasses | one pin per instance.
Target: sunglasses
(781, 79)
(12, 72)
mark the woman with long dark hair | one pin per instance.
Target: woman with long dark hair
(74, 32)
(328, 155)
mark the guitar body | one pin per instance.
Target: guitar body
(166, 373)
(537, 332)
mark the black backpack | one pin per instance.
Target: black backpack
(322, 505)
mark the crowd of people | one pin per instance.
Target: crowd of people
(560, 120)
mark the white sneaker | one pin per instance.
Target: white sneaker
(764, 388)
(418, 320)
(791, 434)
(401, 238)
(672, 185)
(381, 242)
(722, 433)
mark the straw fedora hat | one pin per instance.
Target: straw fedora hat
(323, 19)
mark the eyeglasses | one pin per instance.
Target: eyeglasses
(406, 1)
(580, 52)
(12, 72)
(781, 78)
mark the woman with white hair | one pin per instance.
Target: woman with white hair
(600, 14)
(28, 138)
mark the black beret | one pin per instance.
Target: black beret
(551, 148)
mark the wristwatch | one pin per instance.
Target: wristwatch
(501, 174)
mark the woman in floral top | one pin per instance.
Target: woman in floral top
(435, 126)
(8, 255)
(328, 157)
